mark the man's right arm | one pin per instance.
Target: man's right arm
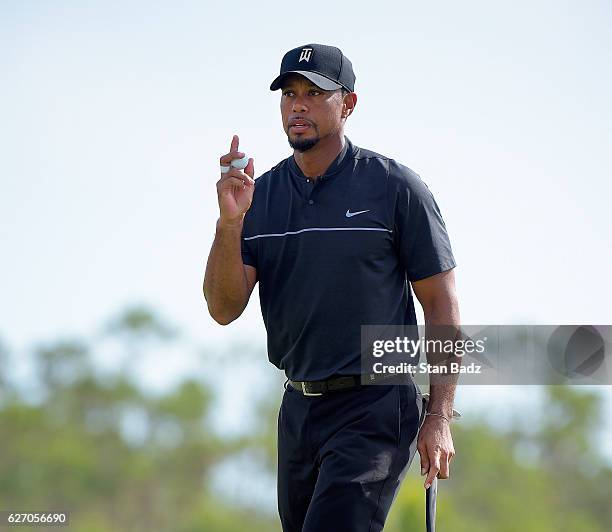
(228, 282)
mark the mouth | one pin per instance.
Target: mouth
(299, 125)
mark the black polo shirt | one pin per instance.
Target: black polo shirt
(336, 254)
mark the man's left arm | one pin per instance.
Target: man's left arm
(437, 296)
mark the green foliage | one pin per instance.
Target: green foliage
(120, 459)
(493, 488)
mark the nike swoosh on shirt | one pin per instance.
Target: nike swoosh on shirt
(349, 214)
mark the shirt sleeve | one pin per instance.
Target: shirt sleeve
(422, 240)
(248, 248)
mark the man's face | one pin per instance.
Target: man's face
(309, 113)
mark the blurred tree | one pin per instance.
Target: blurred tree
(493, 486)
(139, 323)
(6, 389)
(116, 457)
(122, 459)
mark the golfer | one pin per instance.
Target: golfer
(337, 237)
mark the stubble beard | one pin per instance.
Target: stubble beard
(303, 145)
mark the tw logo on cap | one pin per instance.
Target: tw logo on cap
(305, 55)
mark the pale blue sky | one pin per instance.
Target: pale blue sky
(114, 114)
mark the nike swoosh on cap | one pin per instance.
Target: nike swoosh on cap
(349, 214)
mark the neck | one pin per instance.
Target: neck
(316, 160)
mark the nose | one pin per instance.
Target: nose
(298, 105)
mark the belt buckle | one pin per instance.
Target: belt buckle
(308, 394)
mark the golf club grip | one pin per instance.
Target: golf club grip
(430, 505)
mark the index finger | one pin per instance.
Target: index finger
(234, 143)
(434, 468)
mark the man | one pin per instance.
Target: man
(333, 234)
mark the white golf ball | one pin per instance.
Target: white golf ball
(241, 163)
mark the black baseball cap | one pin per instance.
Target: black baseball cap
(326, 66)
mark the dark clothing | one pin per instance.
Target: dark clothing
(332, 256)
(343, 456)
(336, 254)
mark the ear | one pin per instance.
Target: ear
(348, 104)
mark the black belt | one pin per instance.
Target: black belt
(312, 388)
(321, 387)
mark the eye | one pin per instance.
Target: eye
(287, 92)
(314, 92)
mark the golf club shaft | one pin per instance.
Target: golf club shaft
(430, 505)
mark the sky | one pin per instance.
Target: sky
(114, 115)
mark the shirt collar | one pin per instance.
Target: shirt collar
(337, 164)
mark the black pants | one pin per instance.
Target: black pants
(342, 456)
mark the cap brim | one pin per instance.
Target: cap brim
(319, 80)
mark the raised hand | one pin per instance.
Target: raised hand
(235, 188)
